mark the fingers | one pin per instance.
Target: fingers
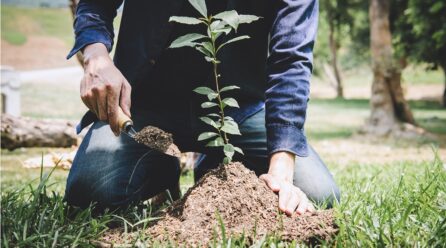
(285, 196)
(112, 109)
(271, 182)
(125, 99)
(101, 102)
(293, 202)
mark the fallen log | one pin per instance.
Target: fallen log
(19, 132)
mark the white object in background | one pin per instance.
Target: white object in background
(10, 91)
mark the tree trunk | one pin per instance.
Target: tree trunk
(73, 7)
(25, 132)
(388, 107)
(334, 61)
(443, 67)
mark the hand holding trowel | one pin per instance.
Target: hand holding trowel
(150, 136)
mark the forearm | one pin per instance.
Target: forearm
(282, 165)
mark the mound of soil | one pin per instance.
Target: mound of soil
(234, 195)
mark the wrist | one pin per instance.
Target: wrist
(281, 165)
(95, 51)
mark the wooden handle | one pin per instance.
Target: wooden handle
(123, 119)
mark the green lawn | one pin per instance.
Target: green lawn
(17, 23)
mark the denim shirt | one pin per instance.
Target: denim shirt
(273, 68)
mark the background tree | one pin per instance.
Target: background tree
(420, 29)
(337, 15)
(388, 107)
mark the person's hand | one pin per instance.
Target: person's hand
(103, 88)
(280, 180)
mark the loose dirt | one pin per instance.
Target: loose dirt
(158, 139)
(235, 196)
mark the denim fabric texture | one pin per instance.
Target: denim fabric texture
(274, 66)
(115, 171)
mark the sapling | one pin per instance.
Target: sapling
(209, 45)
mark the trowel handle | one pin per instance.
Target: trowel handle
(123, 120)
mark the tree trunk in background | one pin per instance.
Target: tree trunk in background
(334, 61)
(73, 7)
(388, 106)
(443, 67)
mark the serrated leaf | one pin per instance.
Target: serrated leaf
(206, 135)
(231, 127)
(231, 17)
(231, 102)
(239, 150)
(185, 20)
(200, 6)
(232, 87)
(209, 121)
(186, 40)
(243, 37)
(208, 104)
(204, 90)
(247, 18)
(216, 142)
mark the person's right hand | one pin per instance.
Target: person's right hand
(103, 88)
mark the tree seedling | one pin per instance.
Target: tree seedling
(209, 45)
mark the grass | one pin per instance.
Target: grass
(394, 205)
(18, 23)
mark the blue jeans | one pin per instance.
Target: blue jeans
(115, 172)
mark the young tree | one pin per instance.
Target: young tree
(388, 107)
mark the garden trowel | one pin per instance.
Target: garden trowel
(167, 147)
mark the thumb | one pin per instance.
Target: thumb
(272, 183)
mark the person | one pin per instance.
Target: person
(153, 85)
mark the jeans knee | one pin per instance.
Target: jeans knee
(327, 196)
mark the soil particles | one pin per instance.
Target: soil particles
(154, 137)
(234, 196)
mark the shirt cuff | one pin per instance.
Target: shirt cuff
(282, 137)
(90, 36)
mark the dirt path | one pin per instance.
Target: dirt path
(39, 52)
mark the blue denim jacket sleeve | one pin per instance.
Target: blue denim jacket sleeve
(289, 69)
(94, 23)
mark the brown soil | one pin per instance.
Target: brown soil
(244, 204)
(154, 137)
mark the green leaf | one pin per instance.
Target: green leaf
(213, 115)
(243, 37)
(208, 46)
(186, 40)
(200, 6)
(231, 127)
(228, 149)
(216, 142)
(212, 96)
(185, 20)
(211, 122)
(247, 18)
(206, 135)
(231, 17)
(231, 102)
(208, 104)
(226, 160)
(204, 90)
(203, 50)
(239, 150)
(232, 87)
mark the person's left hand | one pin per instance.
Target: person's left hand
(280, 180)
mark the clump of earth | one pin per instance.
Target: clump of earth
(235, 196)
(157, 139)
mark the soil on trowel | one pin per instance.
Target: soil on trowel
(154, 137)
(236, 196)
